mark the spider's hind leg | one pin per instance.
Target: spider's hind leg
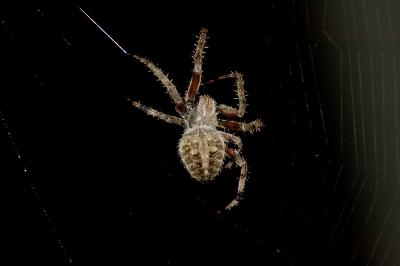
(241, 162)
(235, 157)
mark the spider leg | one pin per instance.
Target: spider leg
(195, 81)
(241, 162)
(234, 139)
(251, 127)
(226, 110)
(157, 114)
(171, 89)
(230, 153)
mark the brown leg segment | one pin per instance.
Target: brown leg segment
(251, 127)
(195, 81)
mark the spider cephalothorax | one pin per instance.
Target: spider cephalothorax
(203, 148)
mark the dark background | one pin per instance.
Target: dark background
(87, 179)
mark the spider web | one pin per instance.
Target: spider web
(367, 225)
(88, 179)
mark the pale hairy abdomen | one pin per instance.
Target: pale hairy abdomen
(202, 151)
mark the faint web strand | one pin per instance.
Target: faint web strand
(396, 110)
(384, 150)
(361, 97)
(321, 113)
(383, 227)
(28, 175)
(353, 107)
(374, 130)
(390, 244)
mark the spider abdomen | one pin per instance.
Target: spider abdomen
(202, 151)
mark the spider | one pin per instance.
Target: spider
(203, 147)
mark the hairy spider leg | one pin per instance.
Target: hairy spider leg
(171, 89)
(229, 151)
(234, 139)
(157, 114)
(229, 111)
(198, 56)
(230, 154)
(235, 157)
(253, 126)
(241, 162)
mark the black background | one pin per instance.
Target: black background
(98, 181)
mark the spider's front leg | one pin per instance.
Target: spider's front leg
(229, 111)
(195, 81)
(171, 89)
(157, 114)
